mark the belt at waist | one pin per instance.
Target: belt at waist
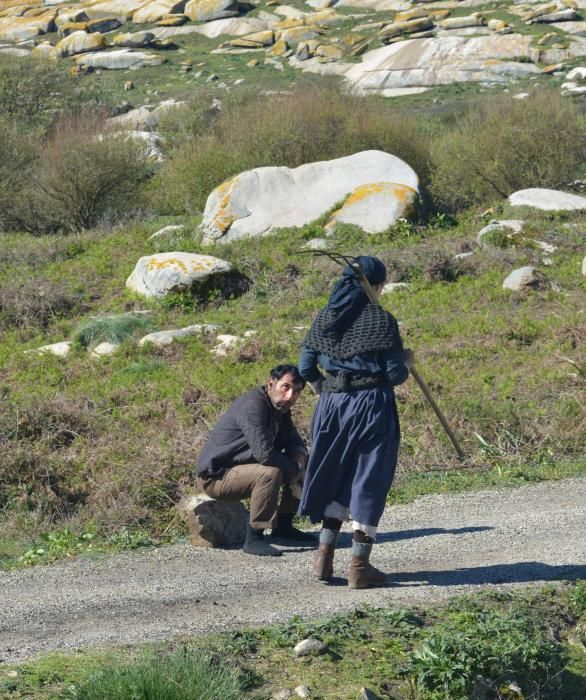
(344, 381)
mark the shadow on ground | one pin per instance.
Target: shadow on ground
(519, 572)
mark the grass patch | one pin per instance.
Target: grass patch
(493, 641)
(181, 675)
(112, 329)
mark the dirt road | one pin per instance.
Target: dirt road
(434, 548)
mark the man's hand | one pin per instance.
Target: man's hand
(408, 358)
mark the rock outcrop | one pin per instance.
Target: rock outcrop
(259, 201)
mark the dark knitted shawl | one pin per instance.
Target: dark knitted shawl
(372, 330)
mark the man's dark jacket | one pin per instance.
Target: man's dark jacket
(251, 431)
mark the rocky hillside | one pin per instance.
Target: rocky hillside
(387, 47)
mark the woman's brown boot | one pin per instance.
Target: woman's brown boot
(323, 562)
(361, 573)
(323, 559)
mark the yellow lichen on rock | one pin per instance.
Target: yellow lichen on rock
(416, 13)
(280, 48)
(375, 206)
(154, 264)
(224, 217)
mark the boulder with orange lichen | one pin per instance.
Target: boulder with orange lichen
(259, 201)
(157, 275)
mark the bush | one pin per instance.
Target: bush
(29, 85)
(484, 650)
(17, 156)
(308, 125)
(35, 302)
(507, 145)
(185, 181)
(182, 675)
(85, 172)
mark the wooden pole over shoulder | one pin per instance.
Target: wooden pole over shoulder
(418, 378)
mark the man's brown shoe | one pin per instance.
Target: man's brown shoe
(361, 574)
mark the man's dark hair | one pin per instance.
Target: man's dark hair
(280, 371)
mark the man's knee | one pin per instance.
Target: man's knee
(268, 475)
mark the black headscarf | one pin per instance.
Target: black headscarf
(348, 298)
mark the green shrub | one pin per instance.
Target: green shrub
(86, 172)
(29, 85)
(111, 329)
(17, 156)
(506, 145)
(484, 649)
(578, 597)
(182, 675)
(34, 301)
(185, 181)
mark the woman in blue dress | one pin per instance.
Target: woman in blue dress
(352, 356)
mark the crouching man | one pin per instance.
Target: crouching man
(254, 451)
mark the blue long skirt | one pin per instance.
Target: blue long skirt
(356, 439)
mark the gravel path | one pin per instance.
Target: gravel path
(434, 548)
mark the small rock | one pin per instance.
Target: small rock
(546, 247)
(511, 226)
(166, 230)
(128, 85)
(310, 647)
(59, 349)
(104, 349)
(213, 523)
(522, 278)
(162, 338)
(367, 694)
(554, 68)
(226, 342)
(392, 286)
(284, 694)
(302, 691)
(317, 244)
(578, 73)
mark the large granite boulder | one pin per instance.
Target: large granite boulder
(157, 275)
(207, 10)
(25, 28)
(259, 201)
(213, 523)
(80, 42)
(435, 61)
(154, 11)
(231, 26)
(133, 40)
(548, 200)
(120, 59)
(122, 9)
